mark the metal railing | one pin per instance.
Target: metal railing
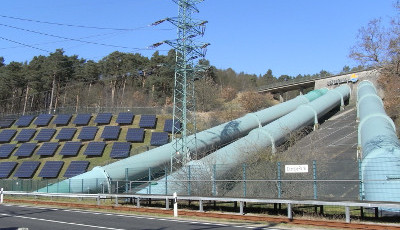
(202, 199)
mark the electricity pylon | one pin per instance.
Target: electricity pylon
(186, 72)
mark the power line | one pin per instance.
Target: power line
(79, 26)
(23, 44)
(71, 39)
(45, 43)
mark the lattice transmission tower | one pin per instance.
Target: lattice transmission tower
(188, 50)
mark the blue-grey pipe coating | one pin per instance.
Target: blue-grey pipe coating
(379, 147)
(207, 140)
(238, 152)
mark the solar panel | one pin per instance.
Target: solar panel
(45, 134)
(51, 169)
(135, 135)
(159, 138)
(48, 149)
(6, 150)
(120, 150)
(25, 135)
(66, 134)
(88, 133)
(95, 149)
(7, 122)
(147, 121)
(7, 134)
(43, 119)
(125, 118)
(82, 119)
(25, 150)
(103, 118)
(111, 132)
(24, 121)
(168, 126)
(62, 119)
(76, 168)
(71, 148)
(27, 169)
(6, 168)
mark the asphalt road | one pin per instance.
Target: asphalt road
(13, 217)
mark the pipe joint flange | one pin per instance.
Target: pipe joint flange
(271, 138)
(313, 110)
(365, 83)
(341, 98)
(370, 117)
(257, 119)
(363, 98)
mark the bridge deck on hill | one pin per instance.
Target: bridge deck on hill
(301, 83)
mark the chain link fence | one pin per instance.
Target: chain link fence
(287, 180)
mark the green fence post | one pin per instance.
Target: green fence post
(126, 180)
(360, 180)
(82, 186)
(214, 186)
(58, 183)
(279, 180)
(189, 182)
(315, 179)
(244, 181)
(166, 180)
(149, 181)
(69, 185)
(47, 186)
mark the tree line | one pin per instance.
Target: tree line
(57, 80)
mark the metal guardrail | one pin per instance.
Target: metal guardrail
(201, 199)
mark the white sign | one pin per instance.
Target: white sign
(296, 168)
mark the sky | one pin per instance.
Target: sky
(287, 36)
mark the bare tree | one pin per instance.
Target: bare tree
(372, 45)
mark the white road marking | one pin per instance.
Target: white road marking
(60, 222)
(119, 215)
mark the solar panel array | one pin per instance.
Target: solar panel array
(125, 118)
(25, 150)
(45, 134)
(43, 119)
(159, 138)
(66, 134)
(27, 169)
(25, 135)
(82, 119)
(88, 133)
(51, 169)
(6, 150)
(48, 149)
(71, 148)
(103, 118)
(7, 134)
(24, 121)
(7, 122)
(6, 168)
(62, 119)
(147, 121)
(135, 135)
(120, 150)
(111, 132)
(95, 149)
(76, 168)
(168, 126)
